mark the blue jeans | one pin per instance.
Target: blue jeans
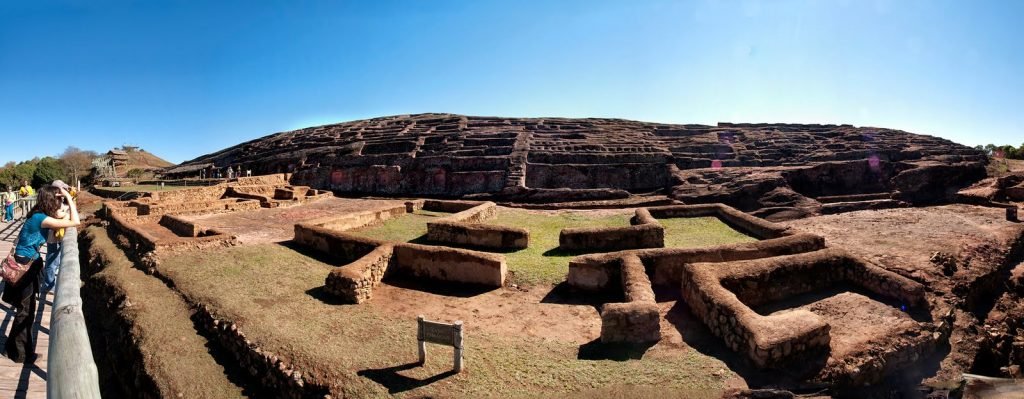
(50, 267)
(9, 212)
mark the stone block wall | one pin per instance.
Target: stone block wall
(721, 295)
(357, 220)
(478, 235)
(645, 233)
(141, 241)
(179, 226)
(746, 223)
(450, 264)
(463, 211)
(191, 194)
(630, 322)
(354, 282)
(767, 340)
(345, 247)
(278, 179)
(464, 227)
(271, 372)
(772, 279)
(601, 271)
(637, 320)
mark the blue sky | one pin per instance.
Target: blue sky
(185, 78)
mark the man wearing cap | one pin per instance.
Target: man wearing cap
(53, 245)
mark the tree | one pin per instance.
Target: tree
(77, 162)
(24, 171)
(47, 170)
(135, 173)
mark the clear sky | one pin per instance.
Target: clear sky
(185, 78)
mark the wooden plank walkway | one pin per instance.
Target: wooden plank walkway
(23, 380)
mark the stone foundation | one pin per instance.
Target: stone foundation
(478, 235)
(637, 320)
(630, 322)
(746, 223)
(342, 246)
(450, 264)
(601, 271)
(355, 282)
(721, 296)
(464, 228)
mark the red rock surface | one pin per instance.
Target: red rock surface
(780, 168)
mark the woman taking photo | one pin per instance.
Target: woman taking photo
(22, 295)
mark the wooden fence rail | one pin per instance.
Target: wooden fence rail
(72, 371)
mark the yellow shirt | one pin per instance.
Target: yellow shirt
(26, 191)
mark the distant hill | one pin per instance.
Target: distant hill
(128, 161)
(141, 159)
(137, 158)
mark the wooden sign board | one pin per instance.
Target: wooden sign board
(442, 334)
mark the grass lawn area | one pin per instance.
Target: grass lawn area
(543, 262)
(269, 290)
(408, 227)
(700, 232)
(148, 188)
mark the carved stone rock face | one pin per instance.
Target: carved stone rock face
(454, 155)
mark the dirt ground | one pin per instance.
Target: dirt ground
(550, 315)
(269, 225)
(905, 240)
(960, 253)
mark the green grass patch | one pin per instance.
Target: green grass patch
(700, 232)
(408, 227)
(543, 263)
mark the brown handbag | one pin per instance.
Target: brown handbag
(11, 270)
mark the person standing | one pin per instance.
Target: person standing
(9, 198)
(22, 295)
(53, 240)
(25, 191)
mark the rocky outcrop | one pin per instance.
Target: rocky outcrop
(779, 167)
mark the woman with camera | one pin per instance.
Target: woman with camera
(21, 294)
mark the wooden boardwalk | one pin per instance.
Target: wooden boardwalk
(23, 380)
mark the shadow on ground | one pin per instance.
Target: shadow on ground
(390, 378)
(596, 350)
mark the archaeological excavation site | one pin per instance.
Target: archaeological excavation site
(442, 255)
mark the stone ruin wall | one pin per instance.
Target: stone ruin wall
(722, 296)
(637, 319)
(368, 261)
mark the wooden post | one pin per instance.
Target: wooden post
(457, 340)
(1011, 213)
(419, 339)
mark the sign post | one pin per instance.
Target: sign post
(442, 334)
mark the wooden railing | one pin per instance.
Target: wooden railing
(72, 371)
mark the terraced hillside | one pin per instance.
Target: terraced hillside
(780, 168)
